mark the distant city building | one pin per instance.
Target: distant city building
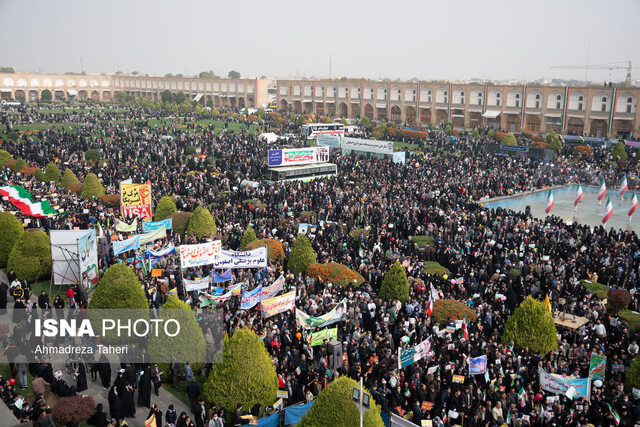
(596, 111)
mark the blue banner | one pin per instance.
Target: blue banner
(123, 246)
(167, 250)
(477, 365)
(224, 277)
(293, 414)
(154, 225)
(270, 421)
(250, 299)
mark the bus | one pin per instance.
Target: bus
(313, 130)
(302, 173)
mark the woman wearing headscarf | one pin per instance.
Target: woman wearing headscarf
(81, 376)
(104, 370)
(144, 388)
(116, 408)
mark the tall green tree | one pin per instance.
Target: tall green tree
(531, 326)
(395, 284)
(248, 237)
(619, 152)
(10, 231)
(234, 74)
(510, 139)
(166, 207)
(92, 186)
(30, 256)
(246, 375)
(201, 223)
(301, 255)
(166, 96)
(68, 179)
(335, 407)
(180, 98)
(52, 172)
(46, 95)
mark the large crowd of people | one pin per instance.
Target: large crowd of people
(438, 192)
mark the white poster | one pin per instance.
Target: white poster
(367, 145)
(200, 254)
(88, 254)
(64, 254)
(256, 258)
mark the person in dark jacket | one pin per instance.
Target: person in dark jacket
(171, 416)
(99, 417)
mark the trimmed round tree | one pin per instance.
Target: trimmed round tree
(188, 345)
(395, 284)
(618, 299)
(180, 221)
(532, 326)
(4, 158)
(334, 407)
(20, 164)
(52, 172)
(301, 255)
(119, 287)
(445, 310)
(92, 155)
(248, 237)
(10, 232)
(201, 223)
(336, 273)
(92, 186)
(39, 175)
(275, 251)
(165, 208)
(246, 374)
(30, 257)
(68, 179)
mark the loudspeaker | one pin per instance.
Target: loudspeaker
(334, 355)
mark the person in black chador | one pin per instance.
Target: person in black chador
(105, 372)
(144, 388)
(116, 407)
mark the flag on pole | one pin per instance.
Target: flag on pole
(579, 195)
(603, 191)
(549, 206)
(434, 294)
(100, 231)
(521, 397)
(634, 204)
(464, 328)
(614, 414)
(151, 421)
(547, 303)
(623, 187)
(430, 307)
(285, 206)
(608, 211)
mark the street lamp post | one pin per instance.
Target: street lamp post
(362, 399)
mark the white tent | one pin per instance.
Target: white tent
(268, 137)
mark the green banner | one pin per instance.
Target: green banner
(316, 338)
(597, 367)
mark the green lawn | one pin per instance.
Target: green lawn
(405, 146)
(632, 318)
(424, 241)
(432, 267)
(181, 392)
(596, 289)
(5, 371)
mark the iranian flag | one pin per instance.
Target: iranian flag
(465, 332)
(549, 206)
(614, 414)
(634, 205)
(579, 195)
(430, 307)
(21, 199)
(624, 187)
(608, 211)
(603, 191)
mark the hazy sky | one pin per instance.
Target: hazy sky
(443, 39)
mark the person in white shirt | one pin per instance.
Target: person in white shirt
(633, 348)
(599, 329)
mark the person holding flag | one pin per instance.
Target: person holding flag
(602, 192)
(608, 212)
(579, 196)
(549, 205)
(634, 205)
(623, 187)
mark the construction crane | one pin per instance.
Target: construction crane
(610, 66)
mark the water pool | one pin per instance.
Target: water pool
(588, 210)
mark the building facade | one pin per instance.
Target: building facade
(530, 108)
(534, 109)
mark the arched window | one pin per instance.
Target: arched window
(538, 96)
(559, 98)
(604, 99)
(580, 98)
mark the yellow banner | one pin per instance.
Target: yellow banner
(135, 200)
